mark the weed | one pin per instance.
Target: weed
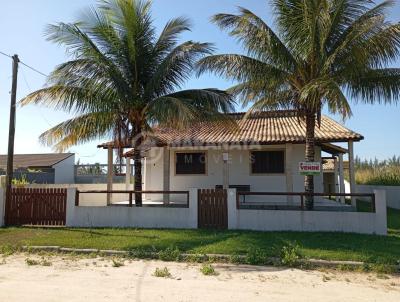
(45, 262)
(140, 253)
(255, 256)
(7, 250)
(162, 273)
(116, 263)
(326, 278)
(196, 258)
(290, 254)
(31, 262)
(382, 276)
(169, 254)
(236, 258)
(208, 270)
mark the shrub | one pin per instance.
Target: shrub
(208, 270)
(290, 254)
(162, 273)
(169, 254)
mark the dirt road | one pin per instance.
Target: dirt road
(71, 279)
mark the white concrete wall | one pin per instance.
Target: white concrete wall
(2, 206)
(239, 171)
(141, 217)
(96, 199)
(309, 221)
(64, 171)
(392, 193)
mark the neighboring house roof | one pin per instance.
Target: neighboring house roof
(272, 127)
(35, 160)
(328, 165)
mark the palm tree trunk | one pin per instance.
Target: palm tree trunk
(138, 176)
(309, 157)
(137, 158)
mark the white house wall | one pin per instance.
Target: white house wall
(239, 171)
(64, 171)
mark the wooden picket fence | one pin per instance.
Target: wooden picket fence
(212, 209)
(26, 206)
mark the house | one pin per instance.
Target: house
(330, 170)
(51, 168)
(260, 154)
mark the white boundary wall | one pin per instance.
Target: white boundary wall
(309, 221)
(392, 193)
(122, 216)
(2, 206)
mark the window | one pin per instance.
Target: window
(267, 162)
(190, 163)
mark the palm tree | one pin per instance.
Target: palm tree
(322, 53)
(123, 79)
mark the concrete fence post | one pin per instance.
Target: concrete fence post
(71, 194)
(2, 206)
(232, 210)
(380, 212)
(193, 207)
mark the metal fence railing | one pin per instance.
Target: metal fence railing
(164, 202)
(301, 195)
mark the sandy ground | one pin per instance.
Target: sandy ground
(75, 279)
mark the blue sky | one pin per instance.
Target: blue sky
(22, 23)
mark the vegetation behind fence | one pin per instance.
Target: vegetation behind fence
(375, 172)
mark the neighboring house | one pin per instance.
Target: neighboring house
(330, 168)
(262, 153)
(52, 168)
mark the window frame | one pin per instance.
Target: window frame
(189, 152)
(268, 173)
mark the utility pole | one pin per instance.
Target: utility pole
(11, 133)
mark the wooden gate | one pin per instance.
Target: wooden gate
(27, 206)
(212, 209)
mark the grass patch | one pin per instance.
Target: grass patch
(162, 273)
(208, 270)
(255, 246)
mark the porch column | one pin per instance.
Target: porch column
(352, 172)
(289, 171)
(225, 170)
(341, 178)
(335, 177)
(128, 174)
(166, 176)
(109, 174)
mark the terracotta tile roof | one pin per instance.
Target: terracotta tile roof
(273, 127)
(34, 160)
(328, 165)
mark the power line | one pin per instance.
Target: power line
(30, 91)
(4, 54)
(30, 67)
(34, 69)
